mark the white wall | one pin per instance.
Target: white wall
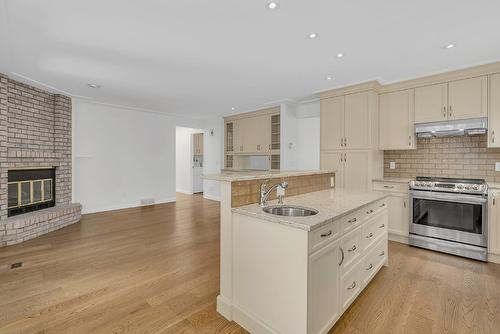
(308, 135)
(300, 136)
(214, 156)
(183, 159)
(122, 155)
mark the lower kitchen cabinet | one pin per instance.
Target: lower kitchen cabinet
(399, 209)
(494, 225)
(289, 280)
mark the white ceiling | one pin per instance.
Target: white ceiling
(199, 58)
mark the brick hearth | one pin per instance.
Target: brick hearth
(35, 132)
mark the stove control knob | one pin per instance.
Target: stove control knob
(476, 187)
(467, 187)
(459, 186)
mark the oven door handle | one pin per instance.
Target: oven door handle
(440, 196)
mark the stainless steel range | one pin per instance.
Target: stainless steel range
(450, 215)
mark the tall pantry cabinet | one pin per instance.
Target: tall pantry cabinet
(349, 135)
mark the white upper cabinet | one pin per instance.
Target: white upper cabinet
(332, 123)
(468, 98)
(494, 112)
(396, 120)
(357, 121)
(431, 103)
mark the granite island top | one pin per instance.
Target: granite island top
(233, 176)
(331, 204)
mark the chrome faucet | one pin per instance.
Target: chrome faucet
(264, 192)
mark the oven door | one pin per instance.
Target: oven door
(455, 217)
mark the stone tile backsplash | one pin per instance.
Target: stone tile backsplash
(465, 157)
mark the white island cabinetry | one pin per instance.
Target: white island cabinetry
(298, 275)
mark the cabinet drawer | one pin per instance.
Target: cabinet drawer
(350, 285)
(323, 235)
(351, 248)
(374, 208)
(373, 229)
(391, 187)
(373, 260)
(350, 222)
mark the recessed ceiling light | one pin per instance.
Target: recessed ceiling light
(312, 35)
(450, 46)
(91, 85)
(340, 55)
(329, 78)
(233, 108)
(272, 5)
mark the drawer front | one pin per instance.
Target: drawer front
(350, 222)
(350, 285)
(391, 187)
(352, 247)
(372, 209)
(374, 228)
(323, 236)
(373, 260)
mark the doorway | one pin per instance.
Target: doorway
(189, 160)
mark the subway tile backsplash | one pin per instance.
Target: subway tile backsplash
(465, 157)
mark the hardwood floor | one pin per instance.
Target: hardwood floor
(156, 270)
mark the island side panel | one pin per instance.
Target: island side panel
(270, 271)
(225, 298)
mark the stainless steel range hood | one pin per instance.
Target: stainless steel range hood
(473, 126)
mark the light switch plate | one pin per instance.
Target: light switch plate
(392, 165)
(497, 166)
(280, 191)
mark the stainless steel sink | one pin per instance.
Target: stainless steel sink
(289, 210)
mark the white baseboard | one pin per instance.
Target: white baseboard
(183, 191)
(398, 237)
(250, 323)
(211, 197)
(495, 258)
(224, 308)
(86, 210)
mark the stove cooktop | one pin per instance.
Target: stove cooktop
(468, 186)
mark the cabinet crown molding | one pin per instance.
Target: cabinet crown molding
(265, 111)
(352, 89)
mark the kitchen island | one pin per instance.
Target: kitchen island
(299, 274)
(288, 274)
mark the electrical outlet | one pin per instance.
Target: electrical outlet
(497, 166)
(392, 165)
(280, 191)
(332, 182)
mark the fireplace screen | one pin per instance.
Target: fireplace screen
(30, 190)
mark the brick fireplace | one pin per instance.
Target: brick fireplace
(35, 135)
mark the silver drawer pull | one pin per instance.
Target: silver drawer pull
(369, 236)
(352, 249)
(327, 234)
(382, 226)
(390, 187)
(382, 205)
(382, 253)
(370, 267)
(350, 221)
(370, 211)
(341, 253)
(353, 285)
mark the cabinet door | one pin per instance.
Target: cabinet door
(431, 103)
(238, 135)
(494, 112)
(334, 161)
(399, 214)
(396, 121)
(229, 137)
(200, 143)
(263, 130)
(324, 288)
(357, 121)
(493, 222)
(196, 144)
(467, 98)
(332, 123)
(356, 174)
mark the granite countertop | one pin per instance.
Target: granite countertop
(232, 176)
(331, 204)
(394, 179)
